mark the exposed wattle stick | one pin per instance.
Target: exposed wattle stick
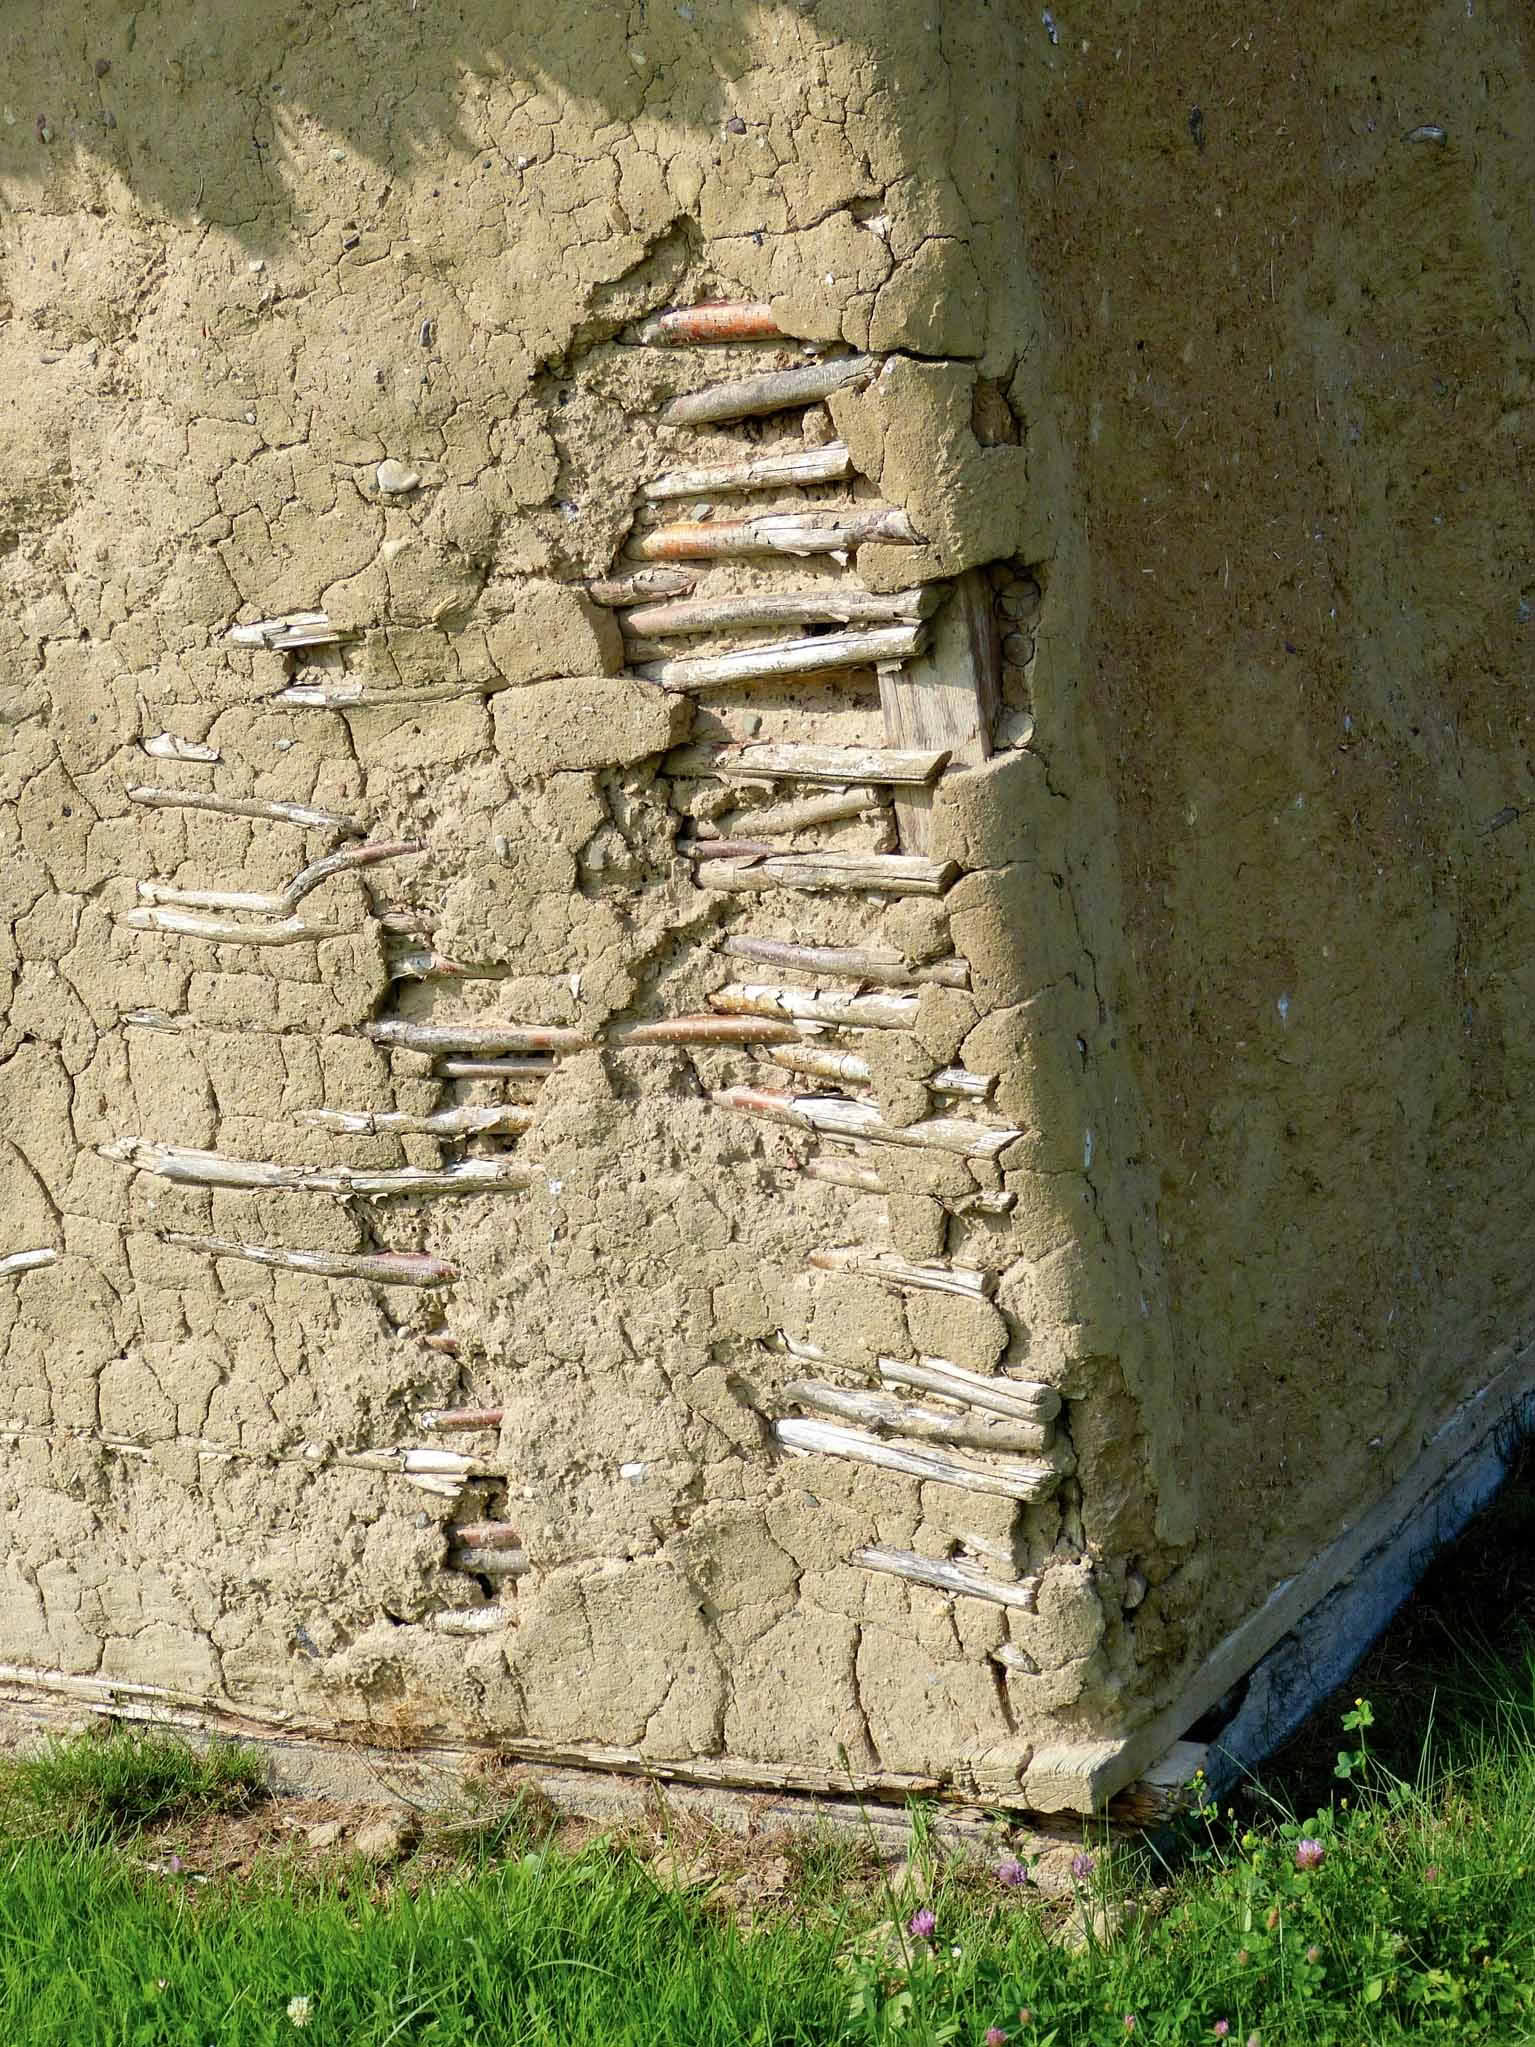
(1013, 1480)
(832, 529)
(642, 586)
(879, 1011)
(297, 629)
(383, 1268)
(961, 1579)
(487, 1037)
(187, 1167)
(710, 320)
(508, 1117)
(838, 1116)
(898, 874)
(772, 391)
(288, 900)
(784, 660)
(821, 604)
(849, 962)
(800, 466)
(247, 806)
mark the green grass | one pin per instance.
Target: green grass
(1418, 1922)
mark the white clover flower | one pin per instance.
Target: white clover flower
(300, 2010)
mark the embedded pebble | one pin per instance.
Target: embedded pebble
(394, 477)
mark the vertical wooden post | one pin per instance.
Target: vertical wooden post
(947, 697)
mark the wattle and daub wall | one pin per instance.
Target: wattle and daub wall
(902, 1364)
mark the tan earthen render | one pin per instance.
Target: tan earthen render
(315, 310)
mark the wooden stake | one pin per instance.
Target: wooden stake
(241, 806)
(510, 1117)
(837, 1116)
(800, 466)
(773, 391)
(726, 849)
(820, 604)
(187, 1167)
(710, 320)
(948, 697)
(893, 1270)
(830, 529)
(897, 874)
(459, 1418)
(356, 696)
(848, 962)
(383, 1268)
(879, 1411)
(26, 1261)
(440, 1339)
(298, 629)
(963, 1580)
(532, 1068)
(1015, 1480)
(486, 1037)
(642, 586)
(878, 1011)
(981, 1204)
(225, 930)
(302, 884)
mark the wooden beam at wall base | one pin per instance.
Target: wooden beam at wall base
(1372, 1567)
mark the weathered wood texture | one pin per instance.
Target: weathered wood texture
(946, 697)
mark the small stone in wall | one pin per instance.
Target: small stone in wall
(395, 478)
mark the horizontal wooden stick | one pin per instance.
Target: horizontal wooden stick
(26, 1261)
(383, 1268)
(187, 1167)
(248, 806)
(961, 1579)
(510, 1117)
(226, 930)
(529, 1068)
(840, 1172)
(779, 820)
(837, 1116)
(297, 629)
(710, 320)
(964, 1428)
(700, 1030)
(351, 695)
(1024, 1398)
(932, 1276)
(820, 604)
(824, 1062)
(287, 900)
(981, 1203)
(459, 1418)
(726, 849)
(487, 1535)
(848, 962)
(411, 963)
(793, 761)
(471, 1037)
(783, 660)
(832, 529)
(791, 471)
(898, 874)
(440, 1339)
(490, 1563)
(165, 746)
(642, 586)
(773, 391)
(470, 1620)
(1015, 1480)
(878, 1011)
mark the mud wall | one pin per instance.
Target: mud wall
(343, 316)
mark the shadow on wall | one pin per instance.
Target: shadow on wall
(230, 114)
